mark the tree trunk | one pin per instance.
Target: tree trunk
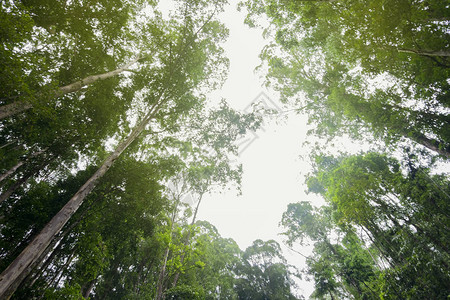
(15, 186)
(11, 171)
(13, 109)
(18, 165)
(425, 52)
(88, 290)
(20, 267)
(162, 274)
(22, 180)
(76, 86)
(59, 242)
(16, 107)
(431, 144)
(188, 238)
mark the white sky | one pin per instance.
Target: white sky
(272, 167)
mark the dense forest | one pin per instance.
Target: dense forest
(106, 129)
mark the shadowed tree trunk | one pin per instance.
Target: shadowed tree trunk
(11, 171)
(6, 194)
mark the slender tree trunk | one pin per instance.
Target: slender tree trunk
(76, 86)
(188, 238)
(438, 19)
(11, 171)
(59, 276)
(21, 106)
(18, 165)
(88, 290)
(15, 186)
(6, 145)
(162, 273)
(331, 295)
(425, 52)
(5, 195)
(20, 267)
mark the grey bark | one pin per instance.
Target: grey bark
(15, 186)
(11, 171)
(16, 107)
(18, 165)
(88, 290)
(431, 144)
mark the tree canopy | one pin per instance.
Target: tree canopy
(109, 144)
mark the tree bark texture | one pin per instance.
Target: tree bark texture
(431, 144)
(11, 171)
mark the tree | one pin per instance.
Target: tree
(264, 273)
(174, 86)
(339, 269)
(67, 37)
(369, 193)
(209, 263)
(329, 58)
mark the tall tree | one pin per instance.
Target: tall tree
(338, 269)
(401, 217)
(194, 56)
(346, 64)
(264, 273)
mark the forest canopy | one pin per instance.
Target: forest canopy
(109, 142)
(378, 72)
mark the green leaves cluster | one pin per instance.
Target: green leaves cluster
(105, 99)
(370, 69)
(379, 230)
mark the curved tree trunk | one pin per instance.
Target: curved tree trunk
(162, 272)
(16, 107)
(431, 144)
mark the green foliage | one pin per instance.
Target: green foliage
(182, 292)
(364, 68)
(67, 292)
(264, 273)
(399, 232)
(115, 242)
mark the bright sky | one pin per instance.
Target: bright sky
(271, 163)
